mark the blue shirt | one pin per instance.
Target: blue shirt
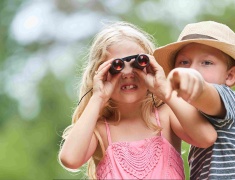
(217, 161)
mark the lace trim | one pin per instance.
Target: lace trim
(139, 161)
(176, 162)
(104, 167)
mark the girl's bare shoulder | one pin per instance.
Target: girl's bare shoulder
(102, 131)
(164, 110)
(165, 119)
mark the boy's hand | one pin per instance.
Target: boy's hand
(188, 84)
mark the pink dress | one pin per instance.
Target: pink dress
(151, 158)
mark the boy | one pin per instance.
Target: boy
(203, 58)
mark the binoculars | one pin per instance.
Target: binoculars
(141, 61)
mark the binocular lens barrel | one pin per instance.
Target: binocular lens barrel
(117, 66)
(141, 61)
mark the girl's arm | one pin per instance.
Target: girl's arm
(186, 121)
(81, 142)
(189, 124)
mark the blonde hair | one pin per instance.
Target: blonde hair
(111, 34)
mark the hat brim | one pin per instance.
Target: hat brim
(165, 55)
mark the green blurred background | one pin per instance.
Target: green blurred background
(42, 47)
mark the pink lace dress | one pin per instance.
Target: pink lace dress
(151, 158)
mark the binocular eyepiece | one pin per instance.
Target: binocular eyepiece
(141, 61)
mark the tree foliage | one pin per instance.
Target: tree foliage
(39, 73)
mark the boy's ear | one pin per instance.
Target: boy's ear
(230, 81)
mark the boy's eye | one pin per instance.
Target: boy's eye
(207, 63)
(182, 63)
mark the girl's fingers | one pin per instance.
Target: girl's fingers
(140, 73)
(104, 66)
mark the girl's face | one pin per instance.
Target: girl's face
(130, 88)
(209, 61)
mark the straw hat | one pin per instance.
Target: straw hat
(209, 33)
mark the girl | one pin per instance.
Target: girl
(123, 129)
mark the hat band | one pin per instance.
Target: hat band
(197, 36)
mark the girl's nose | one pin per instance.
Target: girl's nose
(127, 72)
(127, 75)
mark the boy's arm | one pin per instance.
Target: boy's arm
(210, 102)
(190, 85)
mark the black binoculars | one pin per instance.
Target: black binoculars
(141, 61)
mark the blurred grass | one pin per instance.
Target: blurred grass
(185, 151)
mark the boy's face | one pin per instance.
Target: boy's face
(209, 61)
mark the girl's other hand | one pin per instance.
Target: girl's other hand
(154, 77)
(104, 83)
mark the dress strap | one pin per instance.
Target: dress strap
(108, 132)
(158, 120)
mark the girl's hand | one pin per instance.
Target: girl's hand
(104, 82)
(188, 83)
(154, 77)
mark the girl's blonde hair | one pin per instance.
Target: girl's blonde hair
(110, 35)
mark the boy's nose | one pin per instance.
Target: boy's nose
(194, 66)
